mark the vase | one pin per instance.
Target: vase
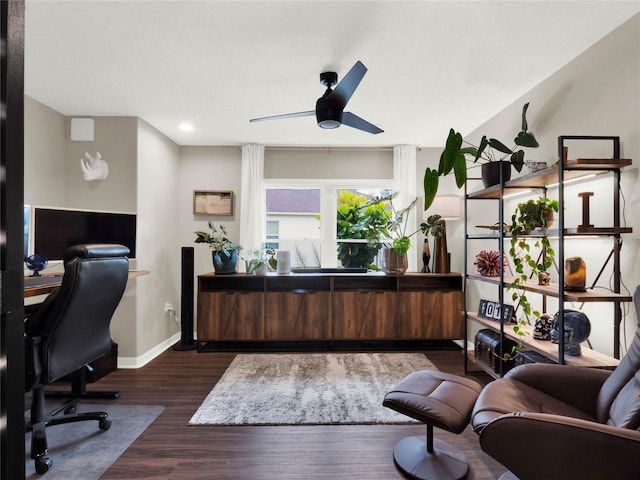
(575, 274)
(394, 263)
(491, 173)
(440, 254)
(284, 262)
(224, 264)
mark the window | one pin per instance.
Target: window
(301, 217)
(273, 234)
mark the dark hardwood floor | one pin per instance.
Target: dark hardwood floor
(171, 450)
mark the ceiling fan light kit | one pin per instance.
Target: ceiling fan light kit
(330, 107)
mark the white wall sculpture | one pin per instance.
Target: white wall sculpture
(94, 168)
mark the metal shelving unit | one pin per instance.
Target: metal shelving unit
(541, 180)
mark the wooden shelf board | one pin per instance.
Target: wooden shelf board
(589, 357)
(597, 231)
(552, 290)
(599, 163)
(574, 169)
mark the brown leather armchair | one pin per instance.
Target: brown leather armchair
(561, 422)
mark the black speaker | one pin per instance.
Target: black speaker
(186, 302)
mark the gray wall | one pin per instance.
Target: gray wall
(116, 140)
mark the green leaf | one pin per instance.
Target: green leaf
(430, 185)
(460, 170)
(517, 160)
(401, 245)
(450, 153)
(498, 145)
(524, 117)
(526, 139)
(483, 145)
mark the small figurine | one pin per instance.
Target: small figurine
(94, 168)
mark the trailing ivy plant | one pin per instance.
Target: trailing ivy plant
(530, 216)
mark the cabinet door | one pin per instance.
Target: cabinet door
(297, 315)
(364, 315)
(230, 316)
(431, 314)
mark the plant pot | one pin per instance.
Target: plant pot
(223, 264)
(252, 269)
(393, 263)
(491, 173)
(548, 216)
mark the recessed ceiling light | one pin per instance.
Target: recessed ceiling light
(186, 127)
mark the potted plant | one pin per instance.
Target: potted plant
(359, 219)
(224, 251)
(394, 234)
(531, 215)
(491, 152)
(261, 260)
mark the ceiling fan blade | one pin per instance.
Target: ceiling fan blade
(345, 87)
(355, 121)
(309, 113)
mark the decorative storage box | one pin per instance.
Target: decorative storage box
(487, 350)
(529, 356)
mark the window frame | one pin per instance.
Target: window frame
(328, 206)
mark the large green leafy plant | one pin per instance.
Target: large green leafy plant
(454, 157)
(359, 219)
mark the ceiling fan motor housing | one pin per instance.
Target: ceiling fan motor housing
(327, 116)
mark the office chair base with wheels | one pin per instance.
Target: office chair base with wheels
(62, 414)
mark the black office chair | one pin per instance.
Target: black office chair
(69, 330)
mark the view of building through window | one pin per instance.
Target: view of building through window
(302, 219)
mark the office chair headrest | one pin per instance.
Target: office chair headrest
(96, 250)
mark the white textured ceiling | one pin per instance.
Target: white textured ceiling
(432, 64)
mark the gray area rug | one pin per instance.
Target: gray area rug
(308, 389)
(82, 451)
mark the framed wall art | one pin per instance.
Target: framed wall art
(213, 202)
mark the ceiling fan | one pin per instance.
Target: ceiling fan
(329, 110)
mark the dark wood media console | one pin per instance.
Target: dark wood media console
(335, 306)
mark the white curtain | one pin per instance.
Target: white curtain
(404, 182)
(252, 199)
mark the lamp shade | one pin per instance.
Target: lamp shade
(447, 206)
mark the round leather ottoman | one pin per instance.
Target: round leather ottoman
(440, 400)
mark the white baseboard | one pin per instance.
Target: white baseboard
(142, 360)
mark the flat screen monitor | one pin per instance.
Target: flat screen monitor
(55, 230)
(27, 225)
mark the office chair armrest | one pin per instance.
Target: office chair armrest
(537, 445)
(575, 386)
(32, 362)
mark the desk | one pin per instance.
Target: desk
(47, 283)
